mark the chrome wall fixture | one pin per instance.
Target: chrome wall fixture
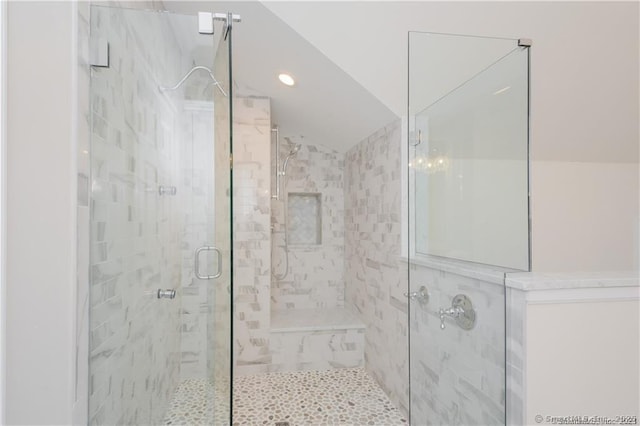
(166, 294)
(422, 295)
(292, 153)
(275, 130)
(167, 190)
(418, 138)
(196, 266)
(461, 311)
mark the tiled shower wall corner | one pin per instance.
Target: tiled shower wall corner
(316, 272)
(196, 195)
(135, 232)
(252, 233)
(374, 277)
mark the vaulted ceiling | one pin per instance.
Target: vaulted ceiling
(326, 105)
(350, 59)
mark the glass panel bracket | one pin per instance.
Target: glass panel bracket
(99, 53)
(524, 42)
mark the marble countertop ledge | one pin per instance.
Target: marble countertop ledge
(487, 273)
(531, 281)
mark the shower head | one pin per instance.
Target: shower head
(292, 153)
(294, 150)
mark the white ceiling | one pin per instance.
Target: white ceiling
(584, 65)
(361, 36)
(326, 106)
(584, 60)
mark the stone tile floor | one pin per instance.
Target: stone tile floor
(191, 404)
(347, 396)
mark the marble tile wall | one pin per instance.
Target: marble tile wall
(315, 276)
(374, 279)
(515, 355)
(135, 250)
(219, 327)
(317, 350)
(316, 339)
(196, 196)
(252, 234)
(457, 376)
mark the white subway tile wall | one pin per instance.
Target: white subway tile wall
(316, 339)
(458, 376)
(375, 282)
(196, 195)
(316, 272)
(135, 232)
(252, 234)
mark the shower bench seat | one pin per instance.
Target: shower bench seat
(316, 339)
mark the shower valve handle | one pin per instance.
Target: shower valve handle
(422, 295)
(452, 312)
(461, 311)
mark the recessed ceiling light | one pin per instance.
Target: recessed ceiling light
(286, 79)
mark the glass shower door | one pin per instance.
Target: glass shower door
(160, 153)
(469, 221)
(220, 290)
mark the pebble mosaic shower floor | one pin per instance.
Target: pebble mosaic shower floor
(346, 396)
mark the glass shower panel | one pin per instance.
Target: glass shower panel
(468, 218)
(156, 198)
(470, 168)
(220, 290)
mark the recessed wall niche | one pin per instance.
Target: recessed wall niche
(305, 218)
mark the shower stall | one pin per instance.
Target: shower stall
(240, 274)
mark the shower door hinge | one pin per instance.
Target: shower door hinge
(205, 20)
(205, 23)
(231, 161)
(99, 53)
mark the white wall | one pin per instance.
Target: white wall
(585, 216)
(3, 293)
(584, 60)
(584, 98)
(583, 335)
(41, 200)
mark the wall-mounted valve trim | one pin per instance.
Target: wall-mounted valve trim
(166, 294)
(422, 295)
(461, 310)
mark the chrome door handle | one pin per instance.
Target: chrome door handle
(196, 266)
